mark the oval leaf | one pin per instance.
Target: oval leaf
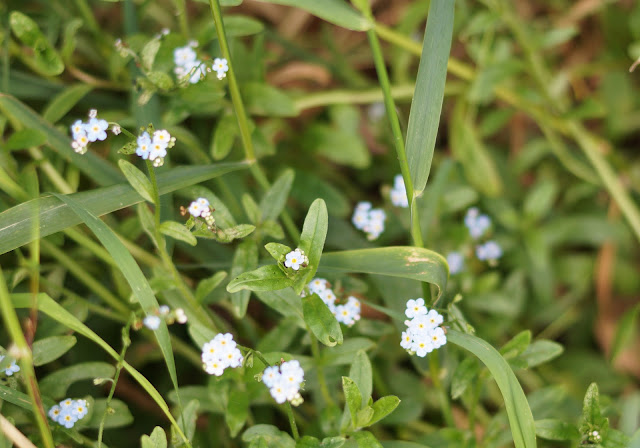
(314, 233)
(137, 179)
(266, 278)
(56, 384)
(178, 231)
(321, 320)
(50, 349)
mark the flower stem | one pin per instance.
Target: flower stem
(445, 404)
(25, 358)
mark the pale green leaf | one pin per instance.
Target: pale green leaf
(49, 349)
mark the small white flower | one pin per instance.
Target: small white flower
(284, 382)
(476, 223)
(455, 260)
(164, 310)
(182, 56)
(151, 322)
(203, 202)
(13, 367)
(93, 113)
(270, 375)
(221, 67)
(398, 193)
(220, 353)
(162, 137)
(165, 31)
(193, 43)
(144, 145)
(415, 308)
(406, 340)
(116, 129)
(295, 259)
(78, 129)
(181, 317)
(195, 209)
(96, 129)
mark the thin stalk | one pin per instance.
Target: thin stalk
(322, 381)
(241, 115)
(80, 273)
(445, 404)
(25, 357)
(126, 342)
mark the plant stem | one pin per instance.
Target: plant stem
(126, 342)
(445, 404)
(315, 351)
(25, 357)
(241, 116)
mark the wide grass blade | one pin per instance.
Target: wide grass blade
(429, 93)
(97, 169)
(399, 261)
(132, 272)
(520, 417)
(48, 306)
(15, 229)
(334, 11)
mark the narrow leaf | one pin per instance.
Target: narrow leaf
(334, 11)
(314, 233)
(178, 231)
(361, 373)
(266, 278)
(352, 397)
(518, 411)
(426, 106)
(63, 102)
(137, 179)
(383, 407)
(275, 198)
(245, 259)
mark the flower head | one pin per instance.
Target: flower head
(68, 412)
(144, 145)
(151, 322)
(284, 382)
(221, 67)
(398, 193)
(96, 129)
(13, 367)
(296, 259)
(220, 353)
(489, 251)
(423, 333)
(476, 223)
(181, 316)
(369, 220)
(455, 260)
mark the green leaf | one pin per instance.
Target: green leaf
(552, 429)
(148, 53)
(13, 396)
(426, 105)
(15, 223)
(25, 138)
(161, 80)
(518, 411)
(48, 306)
(132, 273)
(237, 410)
(272, 229)
(321, 321)
(344, 354)
(338, 145)
(187, 422)
(63, 102)
(178, 231)
(207, 285)
(399, 261)
(401, 444)
(353, 398)
(265, 100)
(49, 349)
(244, 259)
(624, 332)
(516, 345)
(137, 179)
(334, 11)
(540, 352)
(591, 413)
(200, 334)
(383, 407)
(270, 435)
(470, 151)
(365, 439)
(284, 301)
(466, 374)
(277, 251)
(45, 57)
(314, 233)
(361, 373)
(96, 168)
(224, 135)
(274, 200)
(57, 383)
(234, 26)
(364, 416)
(251, 209)
(117, 417)
(157, 439)
(266, 278)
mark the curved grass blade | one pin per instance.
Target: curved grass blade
(429, 93)
(334, 11)
(15, 229)
(97, 169)
(48, 306)
(134, 276)
(520, 417)
(397, 261)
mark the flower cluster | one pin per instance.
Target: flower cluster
(154, 148)
(13, 368)
(423, 334)
(296, 259)
(476, 223)
(68, 412)
(152, 321)
(370, 220)
(84, 133)
(346, 313)
(489, 251)
(455, 260)
(219, 353)
(284, 382)
(398, 193)
(200, 208)
(188, 66)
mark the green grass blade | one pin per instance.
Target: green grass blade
(520, 417)
(429, 93)
(52, 309)
(335, 11)
(15, 229)
(399, 261)
(97, 169)
(132, 272)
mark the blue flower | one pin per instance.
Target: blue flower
(96, 129)
(152, 322)
(476, 223)
(144, 145)
(13, 368)
(489, 251)
(455, 260)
